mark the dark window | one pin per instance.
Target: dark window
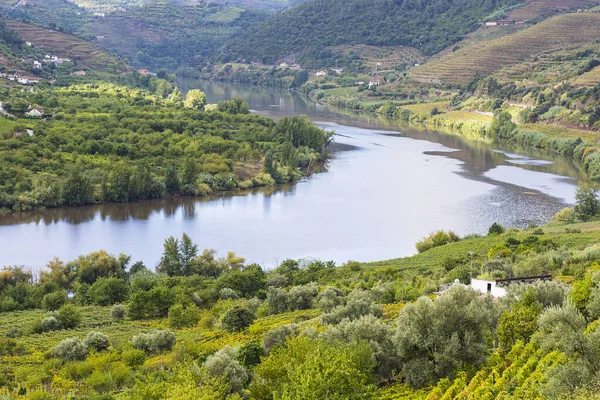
(489, 287)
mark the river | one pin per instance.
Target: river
(385, 188)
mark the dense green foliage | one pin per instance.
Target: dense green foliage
(315, 25)
(309, 329)
(105, 142)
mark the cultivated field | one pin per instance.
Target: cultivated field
(560, 32)
(68, 46)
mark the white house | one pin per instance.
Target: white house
(488, 287)
(321, 73)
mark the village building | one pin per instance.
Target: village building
(337, 70)
(321, 73)
(374, 82)
(500, 22)
(488, 287)
(37, 64)
(36, 112)
(144, 71)
(79, 73)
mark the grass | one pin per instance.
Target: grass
(479, 246)
(556, 131)
(484, 58)
(426, 107)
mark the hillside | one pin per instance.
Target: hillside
(221, 329)
(486, 57)
(314, 25)
(83, 53)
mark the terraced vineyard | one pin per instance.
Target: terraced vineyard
(539, 8)
(484, 58)
(521, 372)
(69, 46)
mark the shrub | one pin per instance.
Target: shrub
(359, 303)
(70, 349)
(107, 291)
(51, 322)
(301, 297)
(499, 251)
(69, 316)
(134, 357)
(330, 298)
(237, 319)
(224, 364)
(277, 300)
(278, 335)
(154, 342)
(182, 317)
(101, 382)
(249, 354)
(436, 239)
(96, 340)
(53, 301)
(227, 293)
(496, 229)
(118, 311)
(587, 204)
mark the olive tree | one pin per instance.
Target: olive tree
(224, 364)
(435, 338)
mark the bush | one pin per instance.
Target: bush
(436, 239)
(70, 349)
(249, 354)
(237, 319)
(134, 357)
(359, 303)
(69, 316)
(224, 364)
(118, 311)
(301, 297)
(278, 335)
(107, 291)
(587, 204)
(51, 322)
(53, 301)
(496, 229)
(277, 300)
(97, 341)
(183, 317)
(227, 293)
(330, 298)
(154, 342)
(565, 216)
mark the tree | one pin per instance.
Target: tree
(183, 317)
(278, 336)
(154, 342)
(495, 229)
(587, 204)
(237, 319)
(77, 190)
(70, 349)
(195, 99)
(170, 262)
(520, 321)
(435, 338)
(249, 354)
(378, 336)
(108, 291)
(358, 304)
(224, 364)
(97, 341)
(313, 370)
(69, 316)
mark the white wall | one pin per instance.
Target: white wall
(482, 286)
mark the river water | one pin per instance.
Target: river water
(385, 188)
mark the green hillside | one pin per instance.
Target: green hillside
(314, 25)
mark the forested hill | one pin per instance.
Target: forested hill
(428, 25)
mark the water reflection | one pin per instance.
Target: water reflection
(386, 187)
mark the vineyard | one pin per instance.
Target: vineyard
(68, 46)
(485, 58)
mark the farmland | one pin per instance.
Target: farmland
(484, 58)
